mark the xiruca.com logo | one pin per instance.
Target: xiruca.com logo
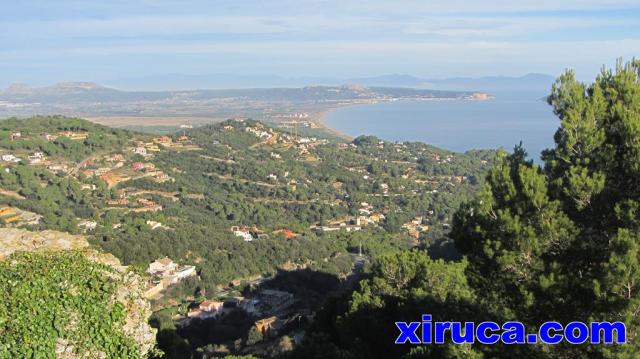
(428, 332)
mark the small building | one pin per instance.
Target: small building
(10, 158)
(162, 266)
(206, 309)
(140, 151)
(34, 160)
(210, 306)
(242, 232)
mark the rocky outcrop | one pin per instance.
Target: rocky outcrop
(129, 292)
(13, 239)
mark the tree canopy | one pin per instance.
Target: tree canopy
(554, 242)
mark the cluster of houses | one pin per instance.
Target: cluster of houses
(114, 172)
(165, 272)
(206, 309)
(259, 132)
(366, 216)
(73, 135)
(415, 227)
(266, 305)
(34, 158)
(249, 234)
(213, 309)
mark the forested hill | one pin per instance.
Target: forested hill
(236, 198)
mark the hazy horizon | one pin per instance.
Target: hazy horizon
(183, 82)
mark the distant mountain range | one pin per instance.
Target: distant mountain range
(74, 92)
(530, 82)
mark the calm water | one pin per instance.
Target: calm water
(456, 125)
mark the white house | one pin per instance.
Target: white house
(10, 158)
(162, 265)
(244, 234)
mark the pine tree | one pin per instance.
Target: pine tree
(562, 242)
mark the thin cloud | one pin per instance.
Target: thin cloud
(315, 36)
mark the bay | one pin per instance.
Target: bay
(456, 125)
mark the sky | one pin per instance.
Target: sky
(44, 41)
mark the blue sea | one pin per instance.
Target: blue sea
(456, 125)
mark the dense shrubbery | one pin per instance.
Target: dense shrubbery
(54, 300)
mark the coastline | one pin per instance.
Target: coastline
(320, 117)
(320, 121)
